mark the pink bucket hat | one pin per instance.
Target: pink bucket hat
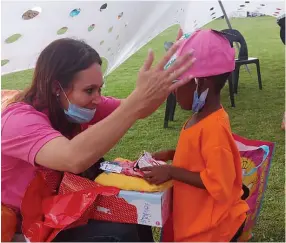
(213, 52)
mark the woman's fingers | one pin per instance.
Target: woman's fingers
(180, 83)
(154, 84)
(180, 34)
(179, 62)
(179, 71)
(148, 61)
(166, 58)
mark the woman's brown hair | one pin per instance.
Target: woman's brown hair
(59, 62)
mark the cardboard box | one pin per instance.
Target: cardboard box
(121, 206)
(151, 209)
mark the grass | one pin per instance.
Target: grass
(258, 113)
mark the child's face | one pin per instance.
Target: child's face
(185, 94)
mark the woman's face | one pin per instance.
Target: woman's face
(85, 90)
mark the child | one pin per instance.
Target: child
(206, 170)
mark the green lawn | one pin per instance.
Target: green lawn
(258, 114)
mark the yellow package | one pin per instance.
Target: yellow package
(129, 183)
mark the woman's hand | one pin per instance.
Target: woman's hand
(164, 155)
(180, 34)
(154, 84)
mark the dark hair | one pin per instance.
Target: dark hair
(59, 62)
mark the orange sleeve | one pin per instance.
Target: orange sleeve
(219, 174)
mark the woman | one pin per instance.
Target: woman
(46, 125)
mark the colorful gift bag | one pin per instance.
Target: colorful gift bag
(45, 212)
(256, 159)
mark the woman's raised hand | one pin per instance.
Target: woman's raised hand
(154, 84)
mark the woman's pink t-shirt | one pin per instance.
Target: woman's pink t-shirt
(24, 131)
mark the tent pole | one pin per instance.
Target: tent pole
(226, 19)
(224, 13)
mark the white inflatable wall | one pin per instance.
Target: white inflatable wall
(115, 29)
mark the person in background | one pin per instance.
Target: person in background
(281, 23)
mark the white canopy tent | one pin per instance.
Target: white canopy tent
(115, 29)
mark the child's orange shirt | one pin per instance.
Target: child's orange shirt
(217, 212)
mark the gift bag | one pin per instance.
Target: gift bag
(45, 212)
(256, 157)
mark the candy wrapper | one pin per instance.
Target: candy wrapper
(130, 168)
(146, 160)
(126, 168)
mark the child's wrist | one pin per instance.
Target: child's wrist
(171, 172)
(171, 154)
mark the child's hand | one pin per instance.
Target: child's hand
(164, 155)
(157, 174)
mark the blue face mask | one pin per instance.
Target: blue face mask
(77, 114)
(199, 101)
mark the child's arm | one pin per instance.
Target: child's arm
(217, 178)
(160, 174)
(186, 176)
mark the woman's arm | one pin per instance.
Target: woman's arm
(153, 87)
(78, 154)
